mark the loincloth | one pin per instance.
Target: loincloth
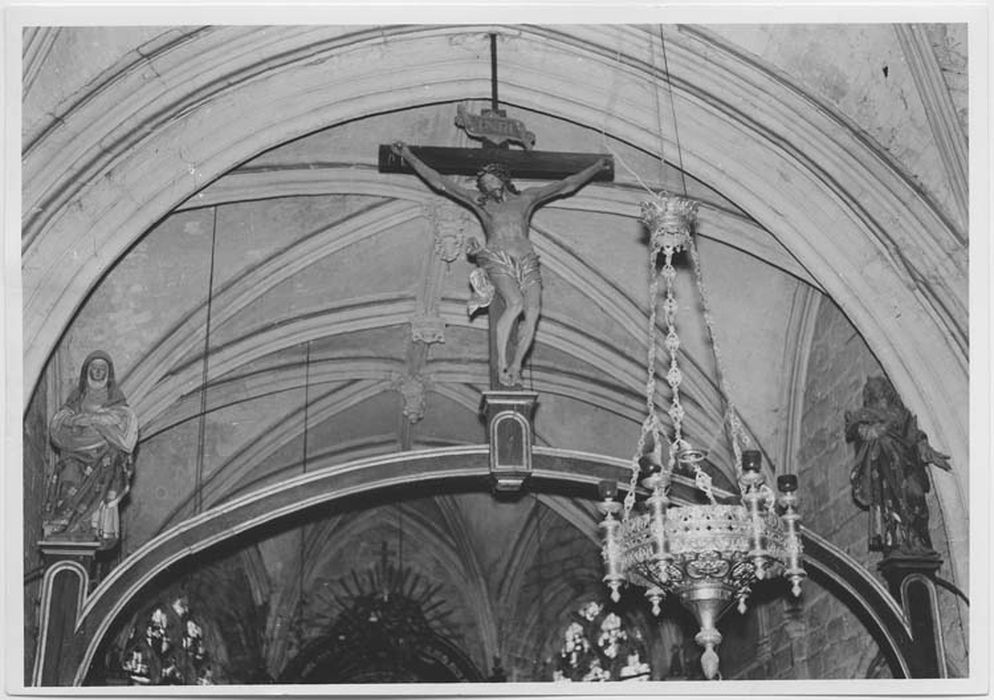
(493, 260)
(524, 270)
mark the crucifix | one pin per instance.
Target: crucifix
(508, 277)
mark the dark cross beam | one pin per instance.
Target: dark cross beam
(524, 165)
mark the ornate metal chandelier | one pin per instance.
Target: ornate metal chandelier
(707, 555)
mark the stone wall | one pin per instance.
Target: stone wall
(838, 366)
(819, 637)
(862, 72)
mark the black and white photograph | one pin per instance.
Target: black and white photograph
(459, 350)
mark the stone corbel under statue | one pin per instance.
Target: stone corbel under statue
(509, 417)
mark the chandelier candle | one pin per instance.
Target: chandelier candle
(707, 555)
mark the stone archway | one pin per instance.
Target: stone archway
(554, 469)
(131, 151)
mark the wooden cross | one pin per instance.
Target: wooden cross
(562, 167)
(508, 261)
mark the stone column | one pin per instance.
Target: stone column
(69, 565)
(911, 579)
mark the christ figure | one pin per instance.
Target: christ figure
(508, 259)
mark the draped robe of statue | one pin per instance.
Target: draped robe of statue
(94, 434)
(889, 476)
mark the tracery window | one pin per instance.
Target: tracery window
(167, 648)
(600, 646)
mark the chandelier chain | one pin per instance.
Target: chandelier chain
(673, 376)
(651, 422)
(739, 437)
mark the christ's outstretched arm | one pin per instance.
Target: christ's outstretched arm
(568, 185)
(435, 179)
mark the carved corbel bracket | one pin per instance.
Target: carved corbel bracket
(427, 328)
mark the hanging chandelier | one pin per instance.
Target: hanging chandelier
(710, 555)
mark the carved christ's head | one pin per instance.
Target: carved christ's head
(493, 180)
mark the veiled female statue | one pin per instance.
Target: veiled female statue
(94, 434)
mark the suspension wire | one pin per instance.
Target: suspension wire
(543, 622)
(303, 526)
(649, 191)
(612, 99)
(198, 501)
(400, 538)
(659, 105)
(676, 128)
(307, 402)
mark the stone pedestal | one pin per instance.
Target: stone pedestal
(63, 591)
(510, 433)
(911, 579)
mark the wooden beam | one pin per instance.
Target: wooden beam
(534, 165)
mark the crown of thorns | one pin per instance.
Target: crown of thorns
(498, 169)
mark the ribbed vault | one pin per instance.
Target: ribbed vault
(806, 172)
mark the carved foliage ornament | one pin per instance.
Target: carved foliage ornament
(426, 328)
(413, 389)
(448, 225)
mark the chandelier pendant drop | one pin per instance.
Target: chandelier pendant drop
(710, 555)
